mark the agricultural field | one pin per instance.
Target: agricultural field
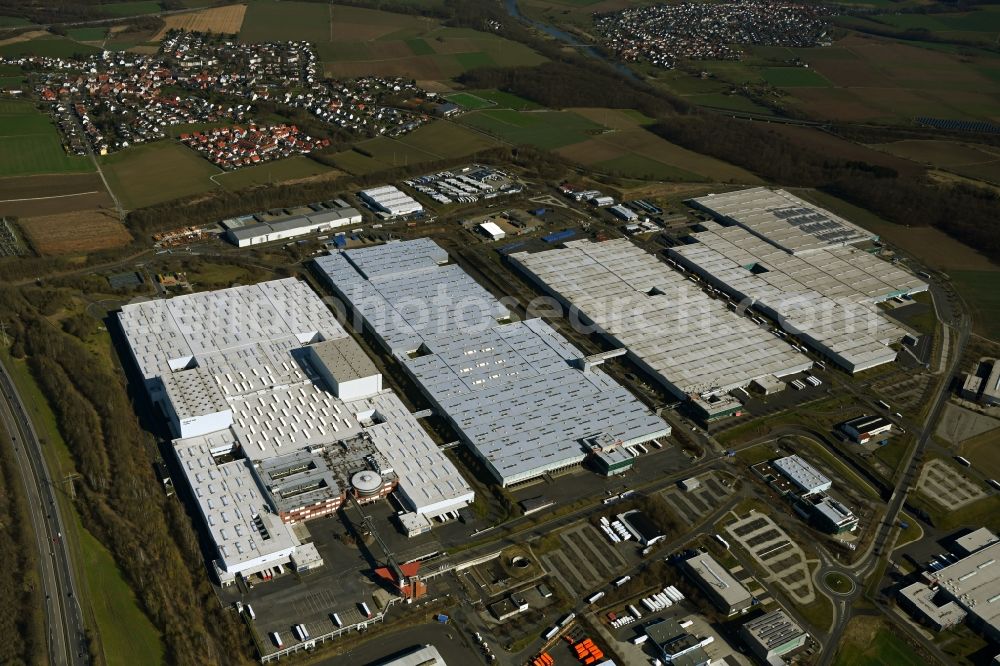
(44, 44)
(226, 20)
(353, 41)
(473, 100)
(970, 160)
(429, 143)
(25, 196)
(543, 129)
(156, 172)
(136, 8)
(629, 150)
(14, 22)
(794, 77)
(74, 233)
(30, 143)
(291, 168)
(981, 290)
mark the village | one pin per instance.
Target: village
(665, 34)
(110, 101)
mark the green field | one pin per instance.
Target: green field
(11, 81)
(729, 102)
(30, 143)
(156, 172)
(290, 168)
(793, 77)
(506, 100)
(266, 20)
(543, 129)
(884, 648)
(355, 41)
(127, 635)
(419, 46)
(55, 47)
(433, 142)
(469, 101)
(14, 22)
(981, 290)
(87, 34)
(131, 8)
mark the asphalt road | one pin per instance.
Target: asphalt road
(63, 619)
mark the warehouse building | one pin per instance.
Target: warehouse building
(973, 583)
(773, 635)
(278, 416)
(693, 344)
(803, 476)
(825, 297)
(623, 213)
(241, 234)
(783, 219)
(724, 591)
(982, 385)
(492, 231)
(519, 395)
(864, 428)
(675, 645)
(389, 201)
(931, 607)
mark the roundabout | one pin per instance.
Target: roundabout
(839, 583)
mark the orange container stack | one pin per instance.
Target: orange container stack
(544, 659)
(588, 652)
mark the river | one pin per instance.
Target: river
(566, 38)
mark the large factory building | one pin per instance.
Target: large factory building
(693, 344)
(798, 264)
(520, 396)
(280, 417)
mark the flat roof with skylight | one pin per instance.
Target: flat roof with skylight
(515, 392)
(256, 358)
(826, 297)
(693, 343)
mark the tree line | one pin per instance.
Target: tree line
(118, 496)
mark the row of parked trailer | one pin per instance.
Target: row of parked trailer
(798, 384)
(615, 531)
(662, 600)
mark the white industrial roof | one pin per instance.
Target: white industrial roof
(230, 501)
(717, 578)
(252, 361)
(509, 389)
(826, 296)
(165, 335)
(492, 228)
(783, 219)
(391, 200)
(974, 582)
(693, 342)
(802, 474)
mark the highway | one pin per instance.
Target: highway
(64, 627)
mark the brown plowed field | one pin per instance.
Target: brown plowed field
(31, 196)
(77, 232)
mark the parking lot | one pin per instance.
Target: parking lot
(693, 506)
(778, 555)
(585, 559)
(947, 486)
